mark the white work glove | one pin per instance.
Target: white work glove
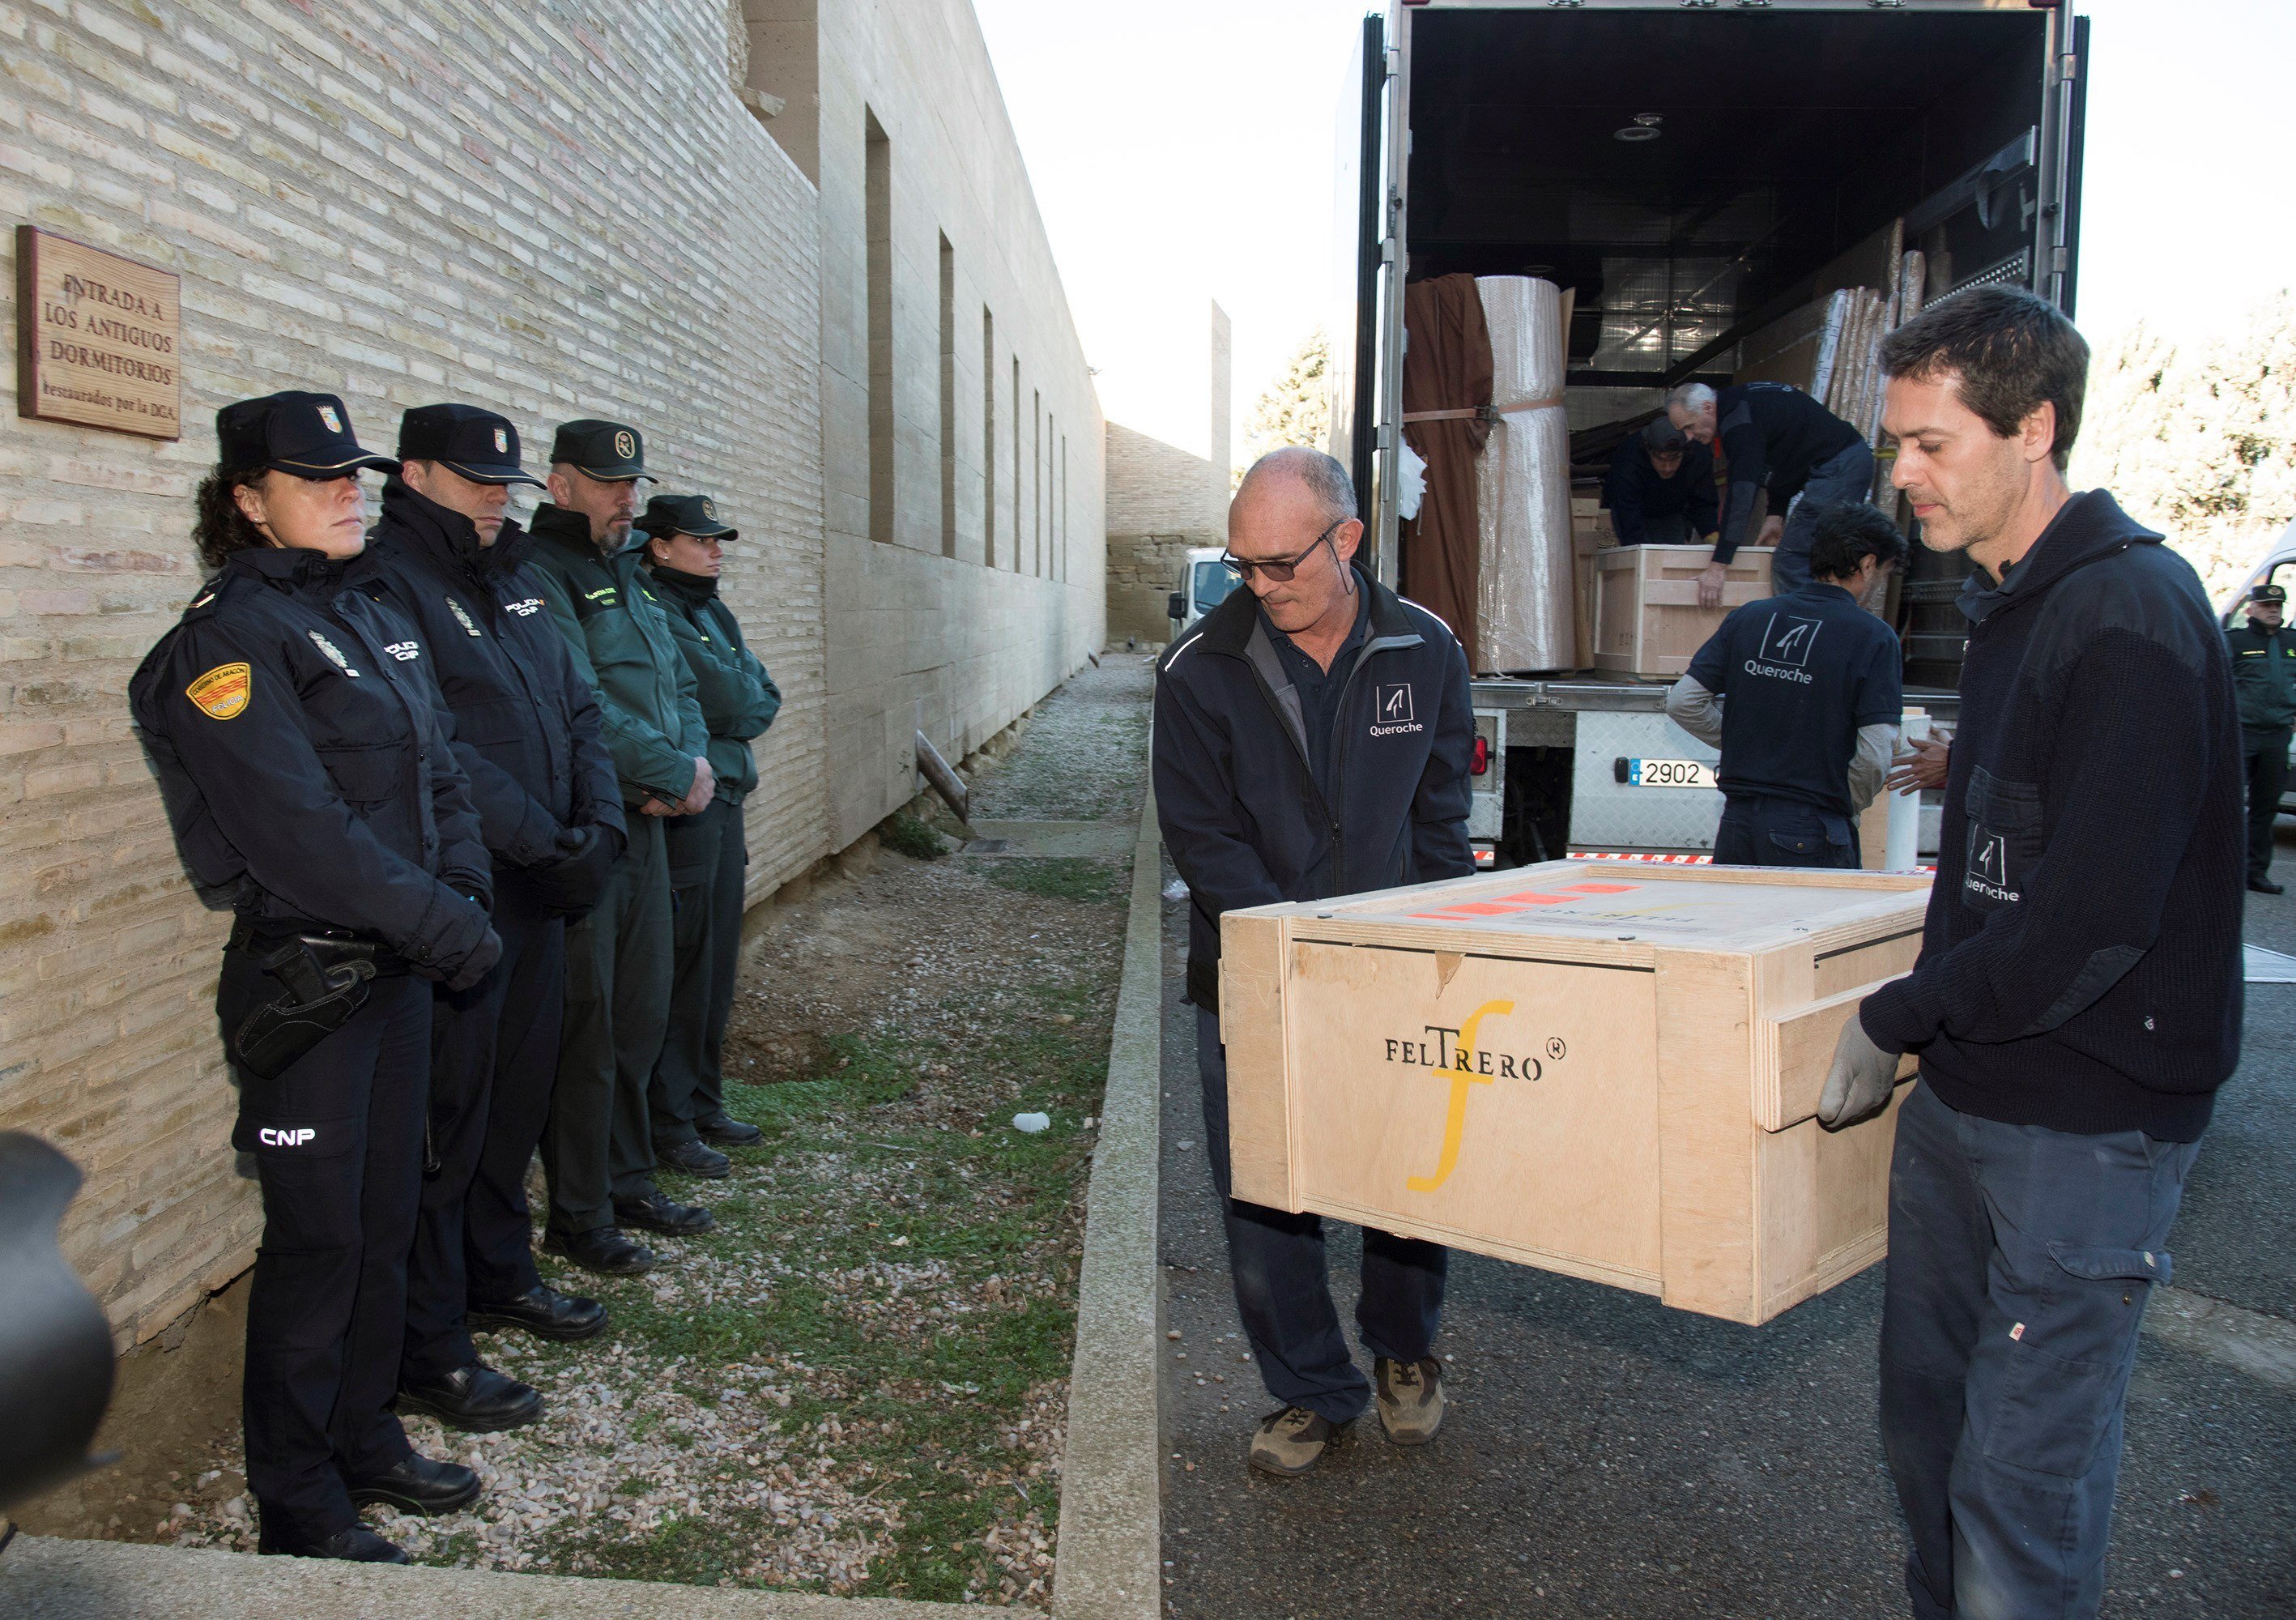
(1858, 1087)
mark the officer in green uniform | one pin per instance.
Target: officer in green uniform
(598, 1149)
(708, 855)
(2264, 679)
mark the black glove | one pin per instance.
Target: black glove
(475, 964)
(570, 884)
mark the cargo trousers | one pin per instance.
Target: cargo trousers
(2020, 1259)
(1284, 1285)
(337, 1142)
(709, 865)
(1845, 476)
(598, 1146)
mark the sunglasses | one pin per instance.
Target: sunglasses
(1280, 569)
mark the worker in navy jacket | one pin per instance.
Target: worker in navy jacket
(2076, 1001)
(1313, 737)
(527, 732)
(1660, 488)
(312, 787)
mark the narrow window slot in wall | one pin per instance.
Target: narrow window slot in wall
(948, 399)
(877, 187)
(988, 437)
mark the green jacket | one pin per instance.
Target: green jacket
(739, 699)
(624, 648)
(2263, 676)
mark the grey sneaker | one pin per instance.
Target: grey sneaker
(1293, 1440)
(1410, 1399)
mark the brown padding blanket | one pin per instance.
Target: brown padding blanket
(1446, 366)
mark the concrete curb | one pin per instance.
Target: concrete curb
(43, 1579)
(1109, 1557)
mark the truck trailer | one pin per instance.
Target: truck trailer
(1693, 172)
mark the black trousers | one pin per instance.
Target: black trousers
(2267, 756)
(710, 868)
(1762, 832)
(338, 1147)
(494, 1056)
(597, 1146)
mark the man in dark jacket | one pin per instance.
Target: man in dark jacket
(1312, 738)
(708, 853)
(598, 1147)
(2078, 998)
(527, 733)
(1660, 488)
(2264, 677)
(1777, 439)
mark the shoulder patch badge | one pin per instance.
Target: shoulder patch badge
(334, 652)
(462, 618)
(222, 693)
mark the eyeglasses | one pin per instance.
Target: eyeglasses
(1280, 569)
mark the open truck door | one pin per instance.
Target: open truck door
(1366, 339)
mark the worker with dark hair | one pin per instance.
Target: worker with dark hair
(1800, 693)
(2076, 1001)
(1660, 488)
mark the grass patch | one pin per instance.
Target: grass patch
(1073, 877)
(905, 835)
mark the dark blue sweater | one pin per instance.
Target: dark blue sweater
(2080, 964)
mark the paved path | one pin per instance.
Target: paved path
(1607, 1457)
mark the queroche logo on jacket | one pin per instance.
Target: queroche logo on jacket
(1391, 709)
(1987, 874)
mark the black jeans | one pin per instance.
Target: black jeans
(336, 1141)
(2266, 753)
(1283, 1287)
(494, 1052)
(1846, 475)
(2020, 1262)
(1756, 832)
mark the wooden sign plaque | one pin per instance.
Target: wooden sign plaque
(99, 337)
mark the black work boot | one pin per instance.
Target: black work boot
(727, 1133)
(476, 1398)
(694, 1159)
(660, 1212)
(606, 1250)
(357, 1545)
(543, 1312)
(418, 1485)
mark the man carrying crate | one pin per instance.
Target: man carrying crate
(1313, 737)
(2078, 998)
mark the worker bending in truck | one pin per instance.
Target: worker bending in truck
(1777, 439)
(1312, 738)
(2076, 1001)
(1660, 488)
(1800, 693)
(2264, 677)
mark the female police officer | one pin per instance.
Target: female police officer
(294, 731)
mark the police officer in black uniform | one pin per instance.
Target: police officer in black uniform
(310, 783)
(2263, 655)
(527, 732)
(1801, 694)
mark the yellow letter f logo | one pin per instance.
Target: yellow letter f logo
(1461, 1076)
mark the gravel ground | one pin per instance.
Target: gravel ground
(858, 1385)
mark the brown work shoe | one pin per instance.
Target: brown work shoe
(1410, 1399)
(1293, 1440)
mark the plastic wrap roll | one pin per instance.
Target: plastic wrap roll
(1523, 589)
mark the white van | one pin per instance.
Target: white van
(1205, 582)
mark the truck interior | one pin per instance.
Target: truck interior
(1691, 175)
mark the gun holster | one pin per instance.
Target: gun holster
(326, 982)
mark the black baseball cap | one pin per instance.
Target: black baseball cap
(693, 514)
(609, 450)
(1662, 435)
(309, 435)
(2268, 593)
(479, 444)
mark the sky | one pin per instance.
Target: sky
(1182, 152)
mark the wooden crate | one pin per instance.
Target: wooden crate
(1647, 1048)
(1647, 620)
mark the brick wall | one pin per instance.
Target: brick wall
(552, 209)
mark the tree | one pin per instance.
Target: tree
(2198, 440)
(1295, 409)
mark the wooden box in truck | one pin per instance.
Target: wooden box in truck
(1610, 1073)
(1647, 620)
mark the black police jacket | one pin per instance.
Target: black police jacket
(307, 763)
(1241, 812)
(527, 728)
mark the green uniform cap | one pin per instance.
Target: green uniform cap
(693, 514)
(609, 450)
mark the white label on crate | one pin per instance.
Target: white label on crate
(1669, 773)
